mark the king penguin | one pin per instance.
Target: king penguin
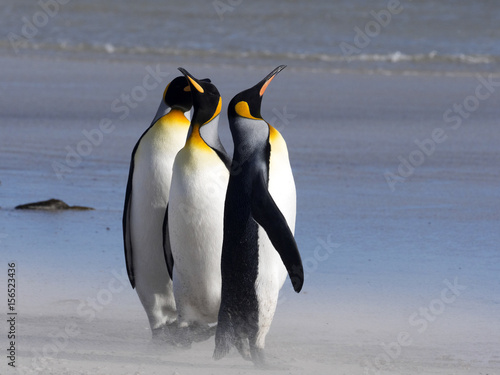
(194, 216)
(259, 220)
(146, 200)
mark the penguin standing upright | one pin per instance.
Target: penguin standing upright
(193, 222)
(259, 219)
(146, 200)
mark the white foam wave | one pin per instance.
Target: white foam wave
(396, 57)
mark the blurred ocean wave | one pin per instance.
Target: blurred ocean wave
(415, 36)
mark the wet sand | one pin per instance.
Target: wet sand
(402, 276)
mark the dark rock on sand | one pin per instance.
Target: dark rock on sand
(51, 205)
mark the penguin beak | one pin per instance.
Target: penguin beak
(266, 81)
(192, 81)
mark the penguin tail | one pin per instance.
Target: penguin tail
(228, 335)
(224, 336)
(223, 344)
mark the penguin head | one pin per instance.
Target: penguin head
(247, 103)
(177, 94)
(206, 99)
(250, 132)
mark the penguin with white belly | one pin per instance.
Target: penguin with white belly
(194, 218)
(146, 199)
(259, 219)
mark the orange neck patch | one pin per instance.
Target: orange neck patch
(276, 140)
(217, 110)
(176, 117)
(195, 139)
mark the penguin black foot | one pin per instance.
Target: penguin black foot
(182, 337)
(165, 334)
(201, 332)
(157, 335)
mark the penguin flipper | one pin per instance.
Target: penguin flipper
(268, 215)
(167, 251)
(127, 233)
(221, 152)
(127, 240)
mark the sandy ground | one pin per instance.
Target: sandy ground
(400, 280)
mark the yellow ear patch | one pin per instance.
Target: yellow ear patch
(243, 110)
(217, 110)
(196, 85)
(187, 88)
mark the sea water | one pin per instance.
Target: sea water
(380, 35)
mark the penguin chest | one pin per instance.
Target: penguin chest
(196, 209)
(199, 181)
(153, 163)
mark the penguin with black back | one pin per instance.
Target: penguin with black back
(258, 248)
